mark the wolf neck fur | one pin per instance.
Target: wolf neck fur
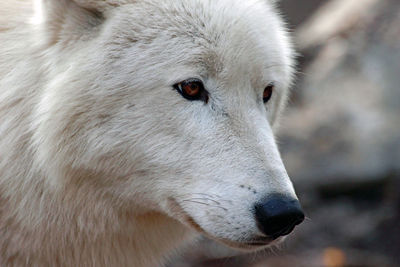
(37, 220)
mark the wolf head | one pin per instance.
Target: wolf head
(171, 105)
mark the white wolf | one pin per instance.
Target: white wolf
(128, 125)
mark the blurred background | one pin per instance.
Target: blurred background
(340, 140)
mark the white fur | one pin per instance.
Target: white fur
(102, 162)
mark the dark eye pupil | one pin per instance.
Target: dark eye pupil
(268, 93)
(192, 89)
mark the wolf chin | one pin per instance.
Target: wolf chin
(129, 126)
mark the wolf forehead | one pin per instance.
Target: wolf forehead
(213, 35)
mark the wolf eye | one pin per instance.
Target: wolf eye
(268, 92)
(192, 89)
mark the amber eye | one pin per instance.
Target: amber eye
(192, 89)
(268, 92)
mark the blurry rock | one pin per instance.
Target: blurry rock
(335, 18)
(346, 128)
(341, 143)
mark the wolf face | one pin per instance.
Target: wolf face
(170, 107)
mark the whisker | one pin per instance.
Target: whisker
(205, 194)
(210, 197)
(206, 204)
(203, 198)
(214, 196)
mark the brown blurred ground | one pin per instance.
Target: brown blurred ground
(340, 140)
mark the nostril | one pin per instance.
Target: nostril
(278, 215)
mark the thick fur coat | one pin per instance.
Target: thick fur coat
(102, 162)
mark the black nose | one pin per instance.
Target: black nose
(278, 215)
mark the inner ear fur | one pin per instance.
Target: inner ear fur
(62, 7)
(66, 20)
(100, 5)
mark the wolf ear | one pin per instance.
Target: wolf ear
(100, 5)
(62, 7)
(66, 19)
